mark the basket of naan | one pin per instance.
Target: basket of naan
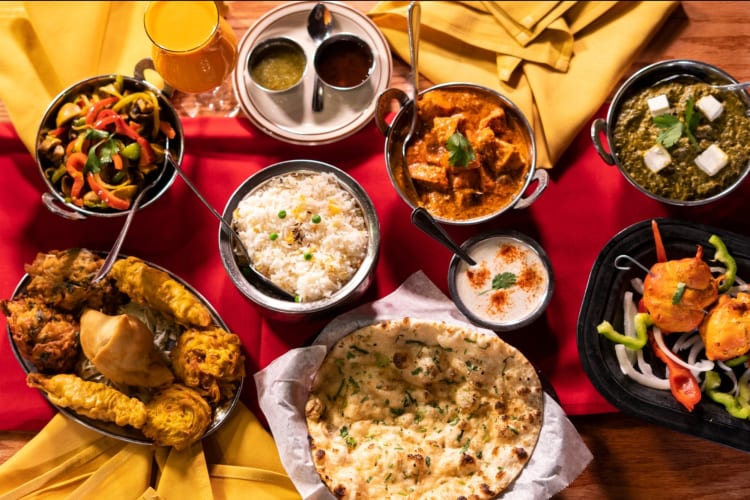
(140, 356)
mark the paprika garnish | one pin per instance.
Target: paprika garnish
(682, 383)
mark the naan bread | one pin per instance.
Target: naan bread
(422, 409)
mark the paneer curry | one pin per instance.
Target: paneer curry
(470, 157)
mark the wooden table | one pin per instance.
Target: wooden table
(632, 458)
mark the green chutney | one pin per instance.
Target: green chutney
(278, 67)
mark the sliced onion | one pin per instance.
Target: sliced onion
(637, 284)
(702, 366)
(643, 379)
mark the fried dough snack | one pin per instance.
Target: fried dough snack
(155, 288)
(726, 329)
(176, 416)
(45, 337)
(701, 290)
(62, 278)
(91, 399)
(211, 361)
(122, 348)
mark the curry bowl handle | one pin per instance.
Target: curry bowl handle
(51, 203)
(542, 178)
(598, 128)
(383, 109)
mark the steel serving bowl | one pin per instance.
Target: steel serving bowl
(510, 307)
(255, 291)
(54, 199)
(649, 76)
(396, 131)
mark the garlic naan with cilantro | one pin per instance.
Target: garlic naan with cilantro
(423, 409)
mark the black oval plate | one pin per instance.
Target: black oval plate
(603, 301)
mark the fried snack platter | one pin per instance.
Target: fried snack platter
(603, 300)
(175, 387)
(422, 409)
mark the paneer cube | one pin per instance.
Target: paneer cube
(656, 158)
(712, 160)
(659, 105)
(710, 107)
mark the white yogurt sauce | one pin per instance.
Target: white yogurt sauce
(495, 257)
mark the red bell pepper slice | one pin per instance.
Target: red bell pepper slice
(93, 112)
(661, 254)
(106, 196)
(74, 166)
(683, 384)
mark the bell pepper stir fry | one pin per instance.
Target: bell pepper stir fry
(106, 143)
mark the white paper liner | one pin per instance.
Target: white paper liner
(283, 388)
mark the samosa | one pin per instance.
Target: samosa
(122, 348)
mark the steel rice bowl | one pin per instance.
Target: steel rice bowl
(256, 292)
(54, 199)
(640, 81)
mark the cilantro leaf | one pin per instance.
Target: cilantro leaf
(101, 152)
(461, 151)
(670, 130)
(500, 281)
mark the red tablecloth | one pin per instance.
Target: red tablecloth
(586, 204)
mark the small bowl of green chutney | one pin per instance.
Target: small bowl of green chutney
(675, 136)
(277, 65)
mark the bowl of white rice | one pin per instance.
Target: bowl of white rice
(308, 227)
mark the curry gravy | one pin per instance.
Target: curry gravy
(488, 183)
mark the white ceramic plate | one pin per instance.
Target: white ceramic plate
(289, 116)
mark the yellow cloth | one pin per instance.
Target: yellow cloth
(68, 461)
(557, 61)
(48, 46)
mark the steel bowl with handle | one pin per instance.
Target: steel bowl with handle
(395, 133)
(603, 130)
(54, 199)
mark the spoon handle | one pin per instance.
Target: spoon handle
(424, 221)
(317, 98)
(228, 227)
(733, 86)
(115, 251)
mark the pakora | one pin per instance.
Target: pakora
(176, 416)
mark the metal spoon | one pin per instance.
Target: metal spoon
(413, 16)
(228, 227)
(424, 221)
(115, 251)
(319, 26)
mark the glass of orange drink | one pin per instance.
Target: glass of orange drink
(193, 47)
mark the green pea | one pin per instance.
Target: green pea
(273, 236)
(316, 219)
(308, 256)
(282, 214)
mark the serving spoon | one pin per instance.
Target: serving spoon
(115, 251)
(319, 26)
(273, 287)
(421, 218)
(414, 13)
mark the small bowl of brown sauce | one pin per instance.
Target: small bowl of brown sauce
(344, 61)
(676, 137)
(277, 65)
(509, 287)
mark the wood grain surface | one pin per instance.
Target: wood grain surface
(632, 458)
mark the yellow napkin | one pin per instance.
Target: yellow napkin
(557, 61)
(48, 46)
(68, 461)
